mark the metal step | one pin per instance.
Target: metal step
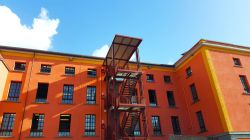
(131, 122)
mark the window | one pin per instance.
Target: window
(150, 78)
(69, 70)
(14, 91)
(156, 125)
(137, 130)
(92, 72)
(152, 98)
(64, 125)
(171, 101)
(237, 62)
(37, 125)
(91, 95)
(68, 91)
(89, 125)
(7, 124)
(201, 121)
(188, 71)
(134, 99)
(194, 93)
(45, 68)
(167, 79)
(20, 66)
(42, 91)
(244, 83)
(176, 125)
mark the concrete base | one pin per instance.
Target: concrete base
(231, 136)
(185, 137)
(223, 136)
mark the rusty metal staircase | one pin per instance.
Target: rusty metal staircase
(128, 86)
(129, 122)
(125, 102)
(128, 90)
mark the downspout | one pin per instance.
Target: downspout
(106, 99)
(25, 103)
(100, 80)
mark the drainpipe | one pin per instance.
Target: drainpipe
(100, 80)
(25, 103)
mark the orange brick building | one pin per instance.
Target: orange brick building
(52, 95)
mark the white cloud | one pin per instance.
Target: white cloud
(133, 58)
(170, 62)
(102, 52)
(38, 36)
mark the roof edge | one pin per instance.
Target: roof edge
(2, 47)
(48, 52)
(187, 54)
(203, 42)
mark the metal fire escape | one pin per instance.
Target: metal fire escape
(125, 103)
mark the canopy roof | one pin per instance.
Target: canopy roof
(122, 47)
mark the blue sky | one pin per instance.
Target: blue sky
(168, 28)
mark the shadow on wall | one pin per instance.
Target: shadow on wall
(53, 108)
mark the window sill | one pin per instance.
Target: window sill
(11, 101)
(41, 102)
(158, 135)
(246, 93)
(168, 83)
(90, 136)
(66, 103)
(19, 71)
(44, 73)
(91, 104)
(178, 134)
(188, 76)
(138, 136)
(63, 137)
(173, 107)
(154, 106)
(91, 76)
(202, 131)
(69, 75)
(195, 101)
(6, 136)
(238, 66)
(35, 137)
(150, 81)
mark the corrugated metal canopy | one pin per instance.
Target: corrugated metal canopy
(124, 47)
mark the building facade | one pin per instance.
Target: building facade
(51, 95)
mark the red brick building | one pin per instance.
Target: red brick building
(52, 95)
